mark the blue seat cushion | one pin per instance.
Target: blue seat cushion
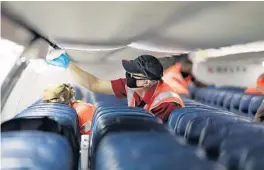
(211, 95)
(177, 114)
(220, 99)
(183, 120)
(252, 159)
(109, 119)
(59, 112)
(235, 102)
(227, 101)
(232, 147)
(102, 109)
(196, 125)
(147, 150)
(44, 124)
(254, 105)
(215, 97)
(244, 104)
(35, 150)
(212, 135)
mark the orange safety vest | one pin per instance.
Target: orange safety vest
(260, 85)
(85, 113)
(250, 90)
(163, 93)
(173, 77)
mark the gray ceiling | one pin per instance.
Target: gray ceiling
(171, 27)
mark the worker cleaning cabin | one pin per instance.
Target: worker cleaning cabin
(132, 85)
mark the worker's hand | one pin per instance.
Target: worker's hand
(58, 58)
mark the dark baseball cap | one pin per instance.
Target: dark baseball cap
(147, 65)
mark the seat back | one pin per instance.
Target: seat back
(176, 115)
(227, 101)
(44, 124)
(244, 104)
(235, 102)
(254, 105)
(215, 97)
(232, 148)
(220, 99)
(62, 113)
(213, 134)
(35, 150)
(195, 126)
(143, 150)
(252, 160)
(109, 118)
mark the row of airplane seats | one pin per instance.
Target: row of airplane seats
(197, 136)
(232, 140)
(231, 99)
(194, 123)
(42, 136)
(131, 138)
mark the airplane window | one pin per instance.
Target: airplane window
(9, 52)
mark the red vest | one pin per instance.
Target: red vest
(85, 113)
(173, 77)
(163, 94)
(254, 91)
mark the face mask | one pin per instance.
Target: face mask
(131, 81)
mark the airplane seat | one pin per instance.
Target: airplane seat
(235, 102)
(192, 89)
(35, 150)
(244, 104)
(190, 107)
(232, 88)
(193, 103)
(254, 105)
(182, 122)
(212, 134)
(215, 97)
(102, 109)
(110, 119)
(44, 124)
(210, 96)
(196, 125)
(205, 95)
(62, 113)
(143, 150)
(232, 148)
(179, 118)
(174, 116)
(196, 94)
(186, 100)
(252, 159)
(227, 101)
(220, 99)
(200, 94)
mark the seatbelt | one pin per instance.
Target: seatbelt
(84, 152)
